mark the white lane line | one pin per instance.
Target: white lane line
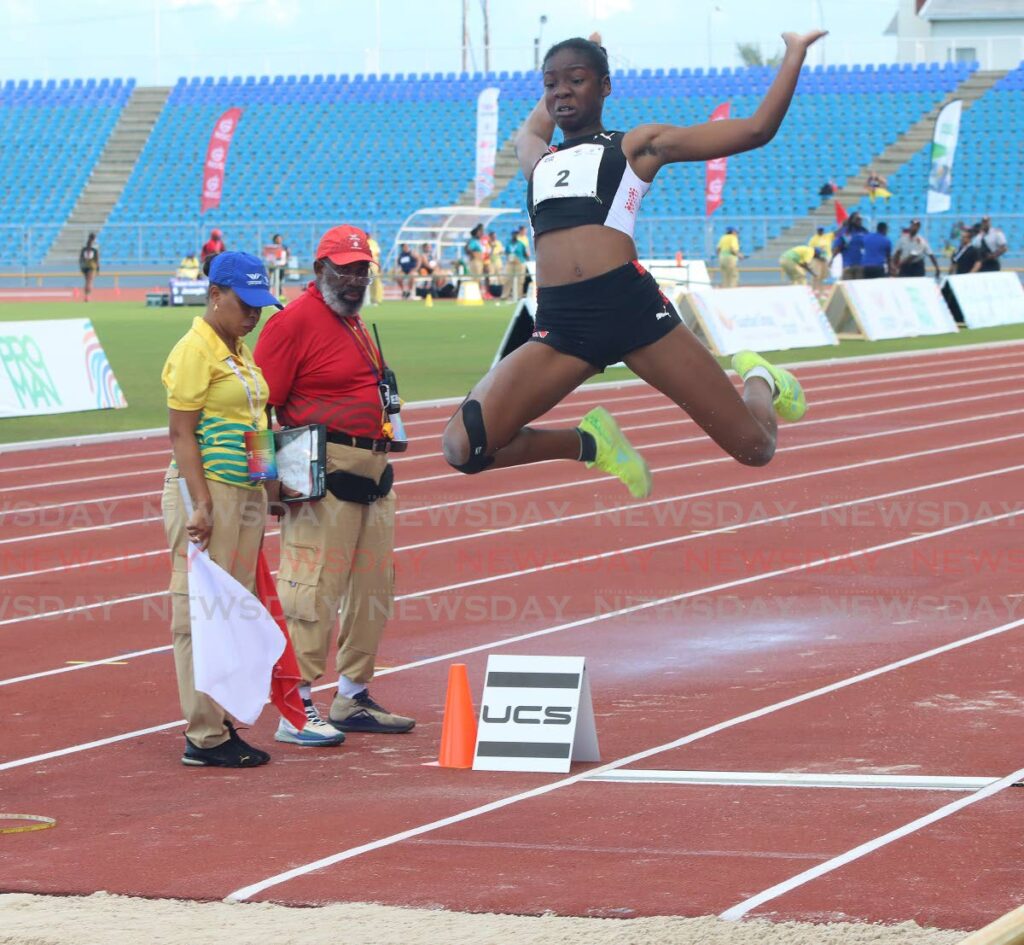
(570, 562)
(801, 879)
(569, 408)
(247, 892)
(89, 665)
(608, 510)
(795, 779)
(621, 612)
(581, 482)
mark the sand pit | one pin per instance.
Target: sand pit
(101, 919)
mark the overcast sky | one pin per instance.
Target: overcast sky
(155, 41)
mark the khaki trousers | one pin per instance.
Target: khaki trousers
(514, 278)
(730, 271)
(239, 515)
(794, 272)
(339, 556)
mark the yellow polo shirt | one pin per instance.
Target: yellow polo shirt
(799, 254)
(198, 375)
(822, 242)
(729, 245)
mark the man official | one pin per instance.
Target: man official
(322, 366)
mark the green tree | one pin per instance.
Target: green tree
(751, 55)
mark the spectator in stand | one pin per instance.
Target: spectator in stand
(877, 186)
(519, 253)
(376, 290)
(407, 263)
(911, 249)
(819, 265)
(729, 256)
(849, 243)
(89, 263)
(796, 263)
(877, 258)
(991, 244)
(965, 257)
(189, 266)
(214, 245)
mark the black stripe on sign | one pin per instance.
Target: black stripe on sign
(522, 750)
(534, 680)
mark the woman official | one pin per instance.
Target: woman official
(596, 304)
(215, 394)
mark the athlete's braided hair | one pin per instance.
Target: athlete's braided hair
(596, 56)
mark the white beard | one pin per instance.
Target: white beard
(334, 301)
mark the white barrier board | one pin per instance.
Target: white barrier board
(889, 308)
(759, 318)
(986, 298)
(535, 715)
(687, 274)
(54, 366)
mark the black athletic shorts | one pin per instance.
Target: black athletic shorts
(602, 319)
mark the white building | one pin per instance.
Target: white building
(989, 31)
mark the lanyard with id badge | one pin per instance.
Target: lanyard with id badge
(259, 444)
(391, 424)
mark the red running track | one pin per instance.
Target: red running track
(887, 526)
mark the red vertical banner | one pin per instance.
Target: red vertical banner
(714, 171)
(217, 158)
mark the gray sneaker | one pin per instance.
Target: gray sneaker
(362, 714)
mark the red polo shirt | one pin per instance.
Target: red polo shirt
(318, 370)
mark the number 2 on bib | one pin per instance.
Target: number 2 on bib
(570, 173)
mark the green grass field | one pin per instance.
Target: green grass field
(438, 352)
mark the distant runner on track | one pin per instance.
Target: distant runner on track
(596, 304)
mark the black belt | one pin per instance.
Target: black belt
(367, 442)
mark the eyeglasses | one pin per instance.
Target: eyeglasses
(346, 278)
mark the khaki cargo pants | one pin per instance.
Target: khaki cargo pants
(339, 556)
(239, 516)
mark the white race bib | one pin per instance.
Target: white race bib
(569, 173)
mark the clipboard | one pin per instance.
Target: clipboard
(301, 454)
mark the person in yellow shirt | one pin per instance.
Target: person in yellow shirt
(729, 256)
(819, 265)
(215, 394)
(377, 286)
(796, 264)
(188, 268)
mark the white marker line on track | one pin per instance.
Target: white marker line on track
(801, 879)
(625, 611)
(247, 892)
(88, 665)
(636, 505)
(794, 779)
(549, 421)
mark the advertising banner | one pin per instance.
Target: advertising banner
(486, 142)
(889, 308)
(944, 140)
(54, 366)
(216, 164)
(714, 170)
(758, 318)
(984, 299)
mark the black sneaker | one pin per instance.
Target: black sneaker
(237, 739)
(231, 754)
(362, 714)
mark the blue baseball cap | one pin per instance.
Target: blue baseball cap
(246, 276)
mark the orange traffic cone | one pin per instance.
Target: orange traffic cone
(458, 734)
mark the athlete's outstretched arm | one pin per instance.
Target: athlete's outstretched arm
(649, 147)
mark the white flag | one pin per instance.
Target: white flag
(235, 641)
(944, 141)
(486, 141)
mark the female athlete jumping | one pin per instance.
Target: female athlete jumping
(596, 304)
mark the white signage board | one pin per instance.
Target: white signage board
(890, 308)
(536, 715)
(760, 318)
(686, 274)
(986, 298)
(56, 366)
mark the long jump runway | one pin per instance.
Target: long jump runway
(807, 677)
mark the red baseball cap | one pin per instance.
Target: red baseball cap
(344, 244)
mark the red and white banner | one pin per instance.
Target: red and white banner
(714, 171)
(486, 142)
(217, 158)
